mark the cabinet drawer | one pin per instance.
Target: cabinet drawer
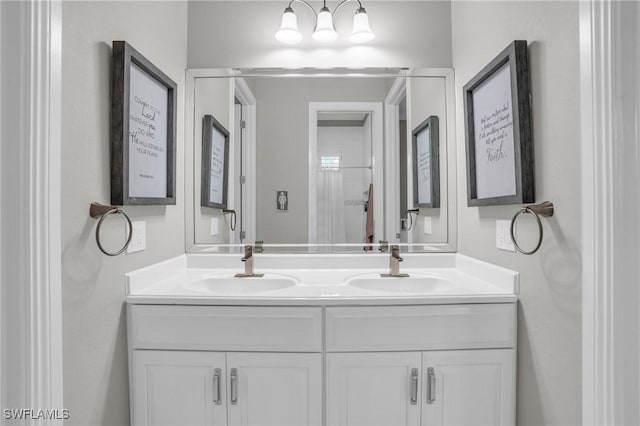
(228, 328)
(400, 328)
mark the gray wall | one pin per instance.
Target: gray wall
(94, 333)
(282, 154)
(549, 326)
(241, 34)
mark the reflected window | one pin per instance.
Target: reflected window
(330, 162)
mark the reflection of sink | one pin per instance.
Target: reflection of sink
(228, 284)
(411, 284)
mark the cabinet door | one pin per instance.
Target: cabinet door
(373, 389)
(274, 389)
(178, 388)
(475, 387)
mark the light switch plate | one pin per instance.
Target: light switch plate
(215, 226)
(138, 237)
(426, 225)
(503, 235)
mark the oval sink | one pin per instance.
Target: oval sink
(232, 285)
(413, 285)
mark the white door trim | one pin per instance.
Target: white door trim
(375, 108)
(596, 302)
(610, 201)
(248, 100)
(392, 158)
(30, 200)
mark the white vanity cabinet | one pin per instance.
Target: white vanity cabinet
(456, 365)
(213, 365)
(474, 387)
(275, 389)
(434, 388)
(178, 388)
(373, 389)
(376, 365)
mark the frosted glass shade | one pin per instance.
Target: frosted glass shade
(325, 32)
(361, 30)
(288, 32)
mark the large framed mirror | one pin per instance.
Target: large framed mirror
(320, 160)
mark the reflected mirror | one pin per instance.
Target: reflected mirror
(321, 160)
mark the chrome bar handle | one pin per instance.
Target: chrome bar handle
(414, 386)
(234, 386)
(217, 398)
(431, 385)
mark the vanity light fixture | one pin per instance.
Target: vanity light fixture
(324, 31)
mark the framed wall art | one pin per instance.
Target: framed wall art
(500, 167)
(426, 164)
(215, 163)
(143, 130)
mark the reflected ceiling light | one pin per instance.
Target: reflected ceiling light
(324, 31)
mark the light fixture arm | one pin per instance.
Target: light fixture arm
(306, 4)
(342, 4)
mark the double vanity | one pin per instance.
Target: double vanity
(322, 340)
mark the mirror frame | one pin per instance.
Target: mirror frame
(391, 119)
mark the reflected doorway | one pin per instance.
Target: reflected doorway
(345, 181)
(344, 178)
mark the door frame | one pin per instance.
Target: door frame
(396, 94)
(608, 262)
(31, 64)
(242, 91)
(377, 165)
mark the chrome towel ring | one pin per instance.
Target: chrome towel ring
(543, 209)
(101, 211)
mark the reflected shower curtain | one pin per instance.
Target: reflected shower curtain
(331, 226)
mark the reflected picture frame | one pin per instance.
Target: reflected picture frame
(215, 164)
(143, 130)
(499, 145)
(425, 148)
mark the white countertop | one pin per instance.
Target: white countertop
(323, 280)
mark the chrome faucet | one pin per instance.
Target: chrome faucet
(248, 264)
(394, 264)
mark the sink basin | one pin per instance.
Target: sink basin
(228, 284)
(408, 285)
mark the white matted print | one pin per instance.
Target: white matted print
(148, 110)
(493, 124)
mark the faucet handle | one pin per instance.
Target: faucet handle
(248, 252)
(395, 252)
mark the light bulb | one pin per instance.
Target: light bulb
(361, 30)
(288, 32)
(325, 32)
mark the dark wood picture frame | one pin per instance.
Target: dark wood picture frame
(430, 125)
(516, 59)
(125, 57)
(209, 126)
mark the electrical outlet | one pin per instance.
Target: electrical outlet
(215, 226)
(138, 237)
(426, 225)
(503, 235)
